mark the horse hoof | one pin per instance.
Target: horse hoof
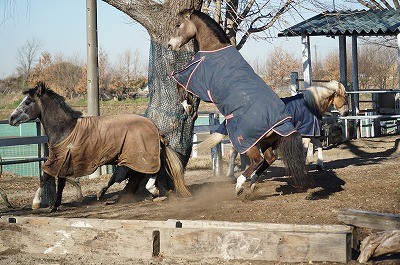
(159, 199)
(253, 187)
(35, 206)
(239, 190)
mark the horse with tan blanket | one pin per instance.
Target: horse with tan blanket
(79, 145)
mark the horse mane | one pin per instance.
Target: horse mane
(211, 23)
(41, 89)
(315, 96)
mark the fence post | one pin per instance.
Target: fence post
(216, 151)
(294, 83)
(49, 189)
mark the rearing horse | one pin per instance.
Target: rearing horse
(219, 74)
(79, 145)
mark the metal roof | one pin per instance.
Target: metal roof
(350, 22)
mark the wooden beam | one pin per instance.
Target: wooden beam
(185, 240)
(367, 219)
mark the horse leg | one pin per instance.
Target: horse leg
(320, 160)
(269, 158)
(255, 162)
(60, 188)
(151, 186)
(103, 189)
(232, 157)
(38, 194)
(306, 143)
(119, 174)
(76, 184)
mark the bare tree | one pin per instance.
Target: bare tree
(27, 55)
(278, 65)
(158, 17)
(244, 19)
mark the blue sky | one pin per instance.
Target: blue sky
(61, 28)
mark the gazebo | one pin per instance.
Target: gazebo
(354, 23)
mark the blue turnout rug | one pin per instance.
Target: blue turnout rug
(306, 120)
(251, 108)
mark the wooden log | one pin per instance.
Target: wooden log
(175, 239)
(378, 244)
(367, 219)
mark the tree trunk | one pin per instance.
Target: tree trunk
(164, 107)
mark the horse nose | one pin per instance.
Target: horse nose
(12, 120)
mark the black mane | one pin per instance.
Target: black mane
(211, 23)
(41, 89)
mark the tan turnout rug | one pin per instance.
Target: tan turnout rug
(126, 140)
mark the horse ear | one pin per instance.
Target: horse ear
(341, 89)
(41, 89)
(189, 13)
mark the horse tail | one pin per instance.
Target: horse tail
(294, 158)
(174, 169)
(211, 141)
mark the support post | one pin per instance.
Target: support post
(294, 83)
(92, 63)
(355, 99)
(306, 60)
(343, 76)
(49, 188)
(216, 151)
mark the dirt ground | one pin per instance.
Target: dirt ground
(361, 174)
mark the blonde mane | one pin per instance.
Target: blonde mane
(316, 96)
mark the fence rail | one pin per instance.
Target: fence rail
(41, 141)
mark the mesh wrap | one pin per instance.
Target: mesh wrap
(164, 108)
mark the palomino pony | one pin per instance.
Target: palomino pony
(79, 145)
(306, 110)
(219, 74)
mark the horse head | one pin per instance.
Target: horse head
(29, 108)
(185, 30)
(340, 97)
(193, 24)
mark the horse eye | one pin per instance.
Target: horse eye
(177, 25)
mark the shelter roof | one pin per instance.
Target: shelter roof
(348, 22)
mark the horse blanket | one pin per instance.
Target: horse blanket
(250, 107)
(305, 119)
(125, 140)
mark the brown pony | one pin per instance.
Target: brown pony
(240, 95)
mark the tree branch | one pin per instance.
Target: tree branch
(252, 29)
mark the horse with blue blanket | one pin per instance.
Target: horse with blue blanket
(306, 110)
(256, 116)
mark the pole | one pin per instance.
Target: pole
(306, 60)
(92, 64)
(354, 103)
(92, 60)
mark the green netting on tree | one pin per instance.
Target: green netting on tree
(164, 107)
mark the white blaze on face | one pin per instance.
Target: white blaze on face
(175, 43)
(19, 115)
